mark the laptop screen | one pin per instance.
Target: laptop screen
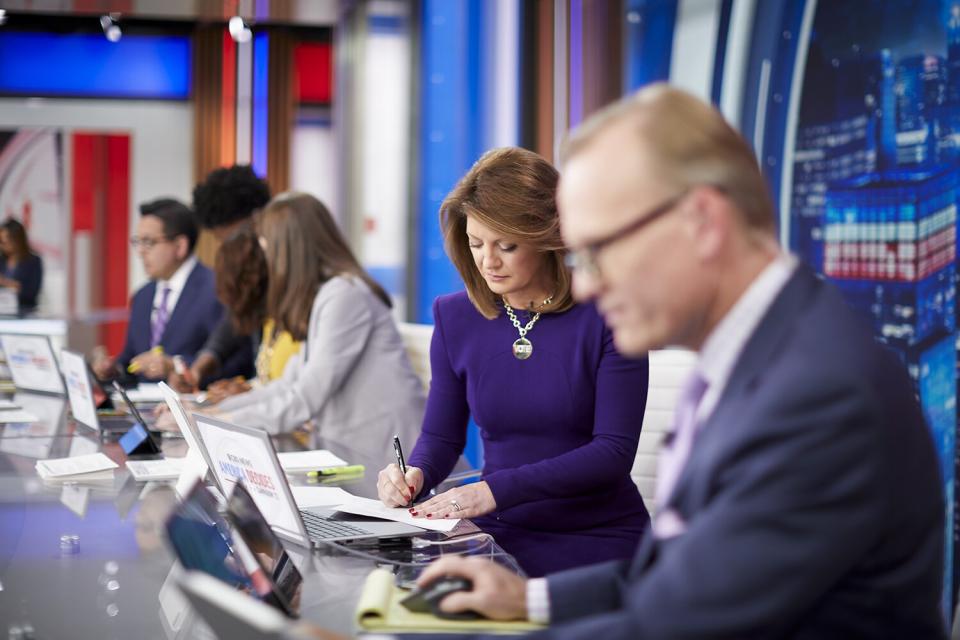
(79, 390)
(238, 452)
(31, 362)
(204, 541)
(273, 558)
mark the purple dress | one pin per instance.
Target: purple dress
(559, 431)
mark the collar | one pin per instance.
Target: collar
(179, 277)
(725, 343)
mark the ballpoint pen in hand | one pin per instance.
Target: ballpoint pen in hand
(400, 463)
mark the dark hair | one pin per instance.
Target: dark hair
(306, 249)
(18, 237)
(241, 275)
(229, 194)
(513, 191)
(176, 217)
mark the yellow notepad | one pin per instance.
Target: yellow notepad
(379, 609)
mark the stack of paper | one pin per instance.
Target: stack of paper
(165, 469)
(90, 467)
(302, 461)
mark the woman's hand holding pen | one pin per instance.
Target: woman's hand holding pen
(468, 501)
(396, 490)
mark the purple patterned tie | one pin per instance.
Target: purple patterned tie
(674, 454)
(160, 319)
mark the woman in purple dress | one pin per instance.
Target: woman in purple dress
(559, 410)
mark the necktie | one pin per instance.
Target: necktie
(160, 319)
(674, 454)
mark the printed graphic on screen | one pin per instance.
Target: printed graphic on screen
(876, 182)
(31, 363)
(237, 456)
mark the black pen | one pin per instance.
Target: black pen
(400, 463)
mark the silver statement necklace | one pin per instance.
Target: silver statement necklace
(523, 348)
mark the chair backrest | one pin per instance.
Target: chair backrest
(416, 339)
(669, 369)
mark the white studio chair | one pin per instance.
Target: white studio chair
(669, 369)
(416, 340)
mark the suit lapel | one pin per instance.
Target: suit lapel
(760, 350)
(180, 311)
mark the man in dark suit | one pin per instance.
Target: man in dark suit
(174, 313)
(799, 494)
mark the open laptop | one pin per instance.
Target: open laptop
(246, 453)
(32, 364)
(237, 547)
(80, 392)
(198, 462)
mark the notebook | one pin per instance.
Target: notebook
(379, 609)
(238, 452)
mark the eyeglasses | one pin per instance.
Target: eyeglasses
(147, 243)
(584, 259)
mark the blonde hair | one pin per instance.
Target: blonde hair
(512, 191)
(689, 144)
(304, 250)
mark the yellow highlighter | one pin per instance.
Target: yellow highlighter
(349, 469)
(133, 367)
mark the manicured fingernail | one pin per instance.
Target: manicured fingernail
(429, 515)
(411, 489)
(412, 512)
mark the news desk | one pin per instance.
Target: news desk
(91, 561)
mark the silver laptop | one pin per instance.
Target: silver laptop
(32, 364)
(244, 452)
(80, 393)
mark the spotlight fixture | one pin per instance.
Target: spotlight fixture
(239, 30)
(110, 26)
(3, 17)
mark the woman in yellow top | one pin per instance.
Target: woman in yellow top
(241, 276)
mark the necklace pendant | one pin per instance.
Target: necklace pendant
(522, 349)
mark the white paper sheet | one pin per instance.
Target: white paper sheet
(144, 392)
(166, 469)
(17, 415)
(6, 405)
(77, 466)
(307, 497)
(376, 509)
(294, 461)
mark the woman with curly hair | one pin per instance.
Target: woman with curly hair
(241, 282)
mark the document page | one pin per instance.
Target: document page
(376, 509)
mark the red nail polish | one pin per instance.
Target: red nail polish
(412, 512)
(429, 515)
(412, 489)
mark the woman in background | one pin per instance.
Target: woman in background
(241, 276)
(21, 269)
(559, 409)
(351, 378)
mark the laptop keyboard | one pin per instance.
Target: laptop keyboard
(321, 528)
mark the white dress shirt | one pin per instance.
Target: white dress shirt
(715, 362)
(176, 283)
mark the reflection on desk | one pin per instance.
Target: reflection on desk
(113, 574)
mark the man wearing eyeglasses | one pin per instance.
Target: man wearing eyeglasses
(798, 494)
(175, 312)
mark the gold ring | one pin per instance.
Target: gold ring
(456, 505)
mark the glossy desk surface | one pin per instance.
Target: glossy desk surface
(118, 581)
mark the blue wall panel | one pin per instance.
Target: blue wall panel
(88, 65)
